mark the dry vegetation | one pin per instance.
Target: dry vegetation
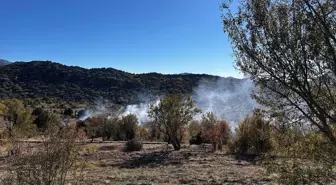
(107, 163)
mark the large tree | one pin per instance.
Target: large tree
(288, 49)
(171, 115)
(18, 119)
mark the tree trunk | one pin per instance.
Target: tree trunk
(176, 144)
(214, 145)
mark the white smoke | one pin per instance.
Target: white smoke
(100, 108)
(228, 98)
(139, 110)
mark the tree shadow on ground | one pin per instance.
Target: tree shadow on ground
(152, 160)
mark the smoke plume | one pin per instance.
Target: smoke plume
(228, 98)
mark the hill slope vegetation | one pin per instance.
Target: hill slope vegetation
(46, 79)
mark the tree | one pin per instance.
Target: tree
(94, 127)
(111, 129)
(45, 120)
(208, 126)
(288, 49)
(18, 118)
(18, 122)
(172, 114)
(129, 126)
(194, 128)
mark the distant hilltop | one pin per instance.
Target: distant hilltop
(46, 79)
(4, 62)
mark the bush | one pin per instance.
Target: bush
(310, 160)
(218, 133)
(133, 145)
(252, 136)
(57, 158)
(223, 133)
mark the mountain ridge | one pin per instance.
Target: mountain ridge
(46, 79)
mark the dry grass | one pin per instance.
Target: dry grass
(108, 164)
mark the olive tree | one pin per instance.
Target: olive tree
(18, 119)
(288, 49)
(172, 114)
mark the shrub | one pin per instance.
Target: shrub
(56, 159)
(310, 160)
(223, 133)
(133, 145)
(218, 133)
(252, 136)
(208, 125)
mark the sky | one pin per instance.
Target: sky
(165, 36)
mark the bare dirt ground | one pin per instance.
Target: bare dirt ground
(157, 164)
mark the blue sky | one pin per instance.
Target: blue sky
(166, 36)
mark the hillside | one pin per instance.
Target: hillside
(45, 79)
(4, 62)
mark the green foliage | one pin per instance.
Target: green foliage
(171, 115)
(93, 127)
(129, 126)
(288, 49)
(18, 119)
(253, 136)
(48, 81)
(117, 129)
(194, 128)
(44, 120)
(310, 160)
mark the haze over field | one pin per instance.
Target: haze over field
(229, 100)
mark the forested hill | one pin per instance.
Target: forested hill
(45, 79)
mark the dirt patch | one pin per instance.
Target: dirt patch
(159, 164)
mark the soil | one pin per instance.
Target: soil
(158, 164)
